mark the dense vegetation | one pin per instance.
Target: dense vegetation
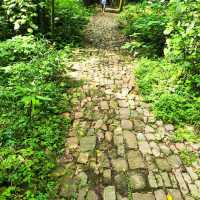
(34, 92)
(36, 42)
(165, 36)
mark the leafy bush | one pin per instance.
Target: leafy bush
(71, 17)
(144, 23)
(21, 14)
(163, 85)
(32, 131)
(21, 48)
(183, 43)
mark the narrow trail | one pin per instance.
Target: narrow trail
(116, 149)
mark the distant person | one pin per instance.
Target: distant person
(103, 4)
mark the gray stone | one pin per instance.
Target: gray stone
(104, 105)
(149, 129)
(99, 124)
(173, 180)
(124, 113)
(152, 180)
(123, 103)
(130, 140)
(155, 149)
(159, 180)
(137, 180)
(166, 179)
(118, 139)
(144, 147)
(174, 161)
(119, 165)
(109, 193)
(164, 149)
(194, 190)
(160, 195)
(108, 136)
(163, 164)
(139, 125)
(193, 175)
(118, 131)
(176, 195)
(135, 160)
(141, 137)
(83, 158)
(143, 196)
(126, 124)
(181, 182)
(87, 143)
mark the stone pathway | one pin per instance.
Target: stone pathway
(116, 149)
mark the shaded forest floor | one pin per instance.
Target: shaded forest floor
(116, 149)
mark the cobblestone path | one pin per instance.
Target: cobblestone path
(116, 149)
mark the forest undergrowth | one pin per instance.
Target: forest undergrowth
(164, 39)
(34, 92)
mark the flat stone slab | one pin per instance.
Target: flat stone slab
(83, 158)
(119, 165)
(160, 195)
(87, 143)
(130, 139)
(135, 160)
(104, 105)
(124, 113)
(176, 195)
(174, 161)
(126, 124)
(118, 140)
(143, 196)
(137, 181)
(163, 164)
(109, 193)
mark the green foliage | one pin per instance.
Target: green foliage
(32, 131)
(21, 47)
(144, 23)
(183, 43)
(185, 134)
(162, 84)
(71, 17)
(171, 84)
(188, 158)
(21, 14)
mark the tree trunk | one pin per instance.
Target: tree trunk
(52, 17)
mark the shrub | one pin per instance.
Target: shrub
(183, 43)
(162, 83)
(22, 48)
(71, 17)
(32, 131)
(144, 24)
